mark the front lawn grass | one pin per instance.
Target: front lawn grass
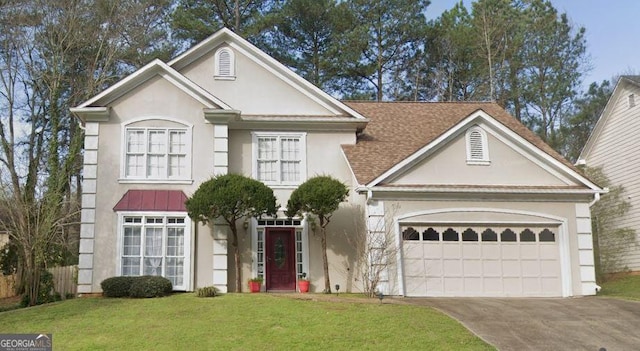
(239, 322)
(626, 287)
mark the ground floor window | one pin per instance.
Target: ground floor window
(156, 245)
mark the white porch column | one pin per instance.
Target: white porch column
(88, 214)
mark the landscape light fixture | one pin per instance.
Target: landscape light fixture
(337, 289)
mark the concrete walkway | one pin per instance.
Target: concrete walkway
(587, 323)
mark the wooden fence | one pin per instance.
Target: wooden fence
(6, 286)
(64, 282)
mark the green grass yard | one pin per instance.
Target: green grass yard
(626, 287)
(239, 322)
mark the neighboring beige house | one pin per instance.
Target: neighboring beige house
(613, 147)
(475, 203)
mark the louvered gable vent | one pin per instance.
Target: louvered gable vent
(477, 146)
(224, 63)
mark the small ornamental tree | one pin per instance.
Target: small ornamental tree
(319, 196)
(231, 197)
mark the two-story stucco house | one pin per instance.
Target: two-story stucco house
(476, 204)
(613, 147)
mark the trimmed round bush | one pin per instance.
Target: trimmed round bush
(117, 286)
(150, 286)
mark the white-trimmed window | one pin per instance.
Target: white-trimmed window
(157, 153)
(225, 67)
(156, 244)
(279, 158)
(477, 146)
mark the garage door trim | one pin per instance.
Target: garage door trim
(563, 238)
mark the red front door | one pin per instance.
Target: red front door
(281, 263)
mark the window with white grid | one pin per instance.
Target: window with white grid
(155, 245)
(280, 159)
(157, 153)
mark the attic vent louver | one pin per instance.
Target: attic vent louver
(632, 100)
(477, 147)
(225, 66)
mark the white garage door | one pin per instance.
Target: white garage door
(481, 260)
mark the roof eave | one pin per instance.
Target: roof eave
(91, 114)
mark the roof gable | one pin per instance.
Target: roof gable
(402, 134)
(275, 68)
(623, 83)
(507, 163)
(152, 69)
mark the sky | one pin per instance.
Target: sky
(612, 33)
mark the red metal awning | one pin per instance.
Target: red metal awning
(152, 200)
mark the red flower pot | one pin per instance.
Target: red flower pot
(303, 286)
(254, 287)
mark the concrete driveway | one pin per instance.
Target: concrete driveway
(586, 323)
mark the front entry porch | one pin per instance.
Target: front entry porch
(280, 252)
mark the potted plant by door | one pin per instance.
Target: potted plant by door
(255, 284)
(303, 283)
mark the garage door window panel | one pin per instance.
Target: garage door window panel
(450, 235)
(547, 235)
(508, 235)
(469, 235)
(489, 235)
(527, 236)
(410, 234)
(430, 235)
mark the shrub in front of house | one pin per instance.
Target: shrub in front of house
(143, 286)
(150, 286)
(116, 286)
(207, 291)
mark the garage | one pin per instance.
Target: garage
(505, 260)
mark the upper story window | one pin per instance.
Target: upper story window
(632, 100)
(279, 158)
(157, 153)
(477, 146)
(225, 64)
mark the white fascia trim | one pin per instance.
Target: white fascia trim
(557, 167)
(563, 233)
(160, 68)
(269, 63)
(91, 114)
(479, 189)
